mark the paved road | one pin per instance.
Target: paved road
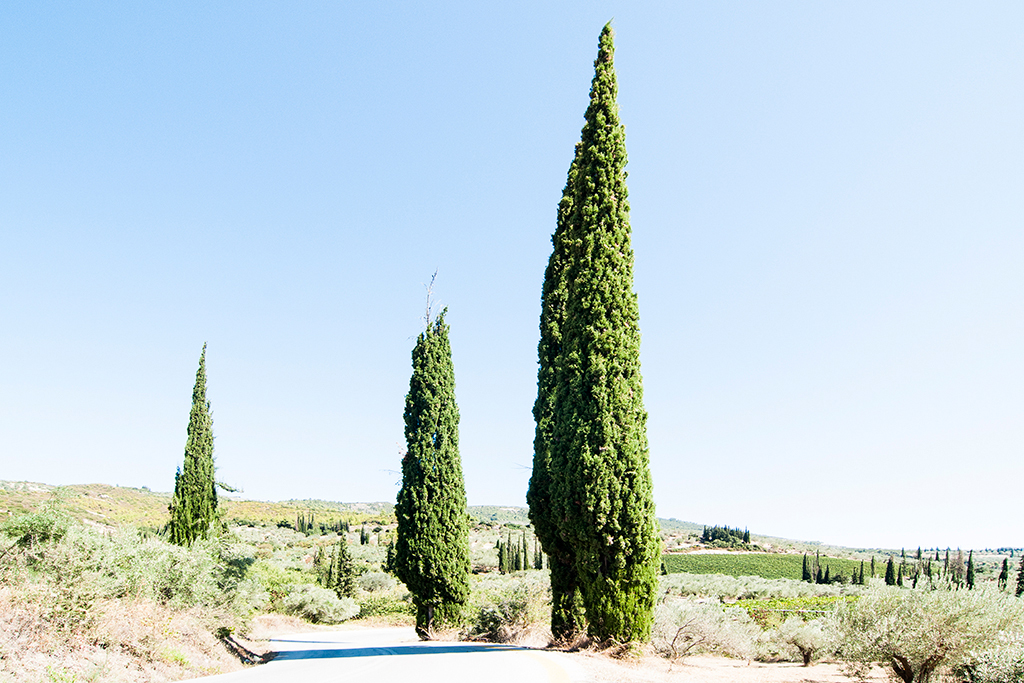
(395, 655)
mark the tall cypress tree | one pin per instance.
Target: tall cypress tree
(600, 488)
(194, 504)
(1020, 579)
(566, 603)
(432, 549)
(970, 570)
(805, 573)
(1004, 574)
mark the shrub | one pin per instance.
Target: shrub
(686, 626)
(806, 637)
(372, 582)
(319, 605)
(1001, 663)
(383, 605)
(504, 608)
(917, 631)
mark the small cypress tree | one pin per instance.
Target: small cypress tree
(872, 566)
(890, 572)
(899, 576)
(1004, 574)
(805, 573)
(432, 548)
(860, 579)
(340, 576)
(194, 503)
(970, 570)
(1020, 578)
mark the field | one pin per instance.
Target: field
(768, 565)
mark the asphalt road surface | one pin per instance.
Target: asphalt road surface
(395, 655)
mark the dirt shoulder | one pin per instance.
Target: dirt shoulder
(601, 668)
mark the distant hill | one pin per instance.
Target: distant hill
(102, 504)
(122, 505)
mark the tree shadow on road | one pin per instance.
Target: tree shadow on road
(417, 649)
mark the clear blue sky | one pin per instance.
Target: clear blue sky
(828, 221)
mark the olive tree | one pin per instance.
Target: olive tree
(917, 631)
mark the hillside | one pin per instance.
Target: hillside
(102, 504)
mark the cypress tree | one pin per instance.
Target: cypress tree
(1020, 578)
(340, 575)
(194, 503)
(899, 576)
(566, 602)
(432, 548)
(805, 573)
(890, 572)
(1004, 574)
(600, 488)
(860, 579)
(970, 570)
(872, 566)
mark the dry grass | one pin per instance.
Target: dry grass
(123, 641)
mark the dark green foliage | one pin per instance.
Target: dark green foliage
(1004, 574)
(194, 504)
(872, 566)
(566, 617)
(1020, 579)
(890, 572)
(899, 576)
(599, 489)
(970, 570)
(723, 536)
(364, 536)
(860, 578)
(805, 573)
(334, 569)
(432, 548)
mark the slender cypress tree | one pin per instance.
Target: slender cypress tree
(566, 602)
(1020, 579)
(805, 573)
(890, 572)
(432, 548)
(600, 489)
(194, 504)
(1004, 575)
(970, 570)
(860, 579)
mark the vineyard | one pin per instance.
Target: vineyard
(768, 565)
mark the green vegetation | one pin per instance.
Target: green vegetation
(432, 546)
(591, 492)
(193, 507)
(768, 565)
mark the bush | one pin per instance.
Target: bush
(319, 605)
(805, 637)
(378, 605)
(504, 608)
(686, 626)
(917, 631)
(372, 582)
(1002, 663)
